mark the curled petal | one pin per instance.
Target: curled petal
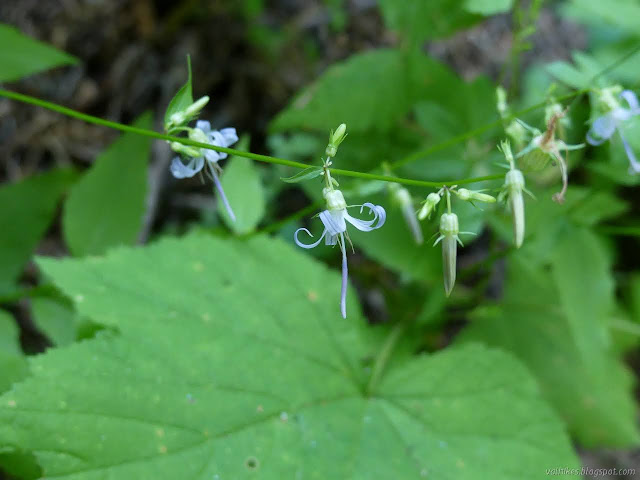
(230, 136)
(379, 217)
(632, 100)
(180, 170)
(333, 221)
(204, 126)
(602, 129)
(310, 245)
(634, 165)
(345, 278)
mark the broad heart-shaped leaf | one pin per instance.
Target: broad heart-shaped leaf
(347, 93)
(182, 99)
(13, 365)
(232, 361)
(26, 210)
(106, 207)
(594, 395)
(21, 55)
(243, 187)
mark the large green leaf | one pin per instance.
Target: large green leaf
(368, 91)
(418, 20)
(26, 210)
(593, 394)
(21, 55)
(488, 7)
(13, 365)
(243, 187)
(106, 207)
(233, 362)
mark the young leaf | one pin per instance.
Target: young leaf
(306, 174)
(106, 207)
(182, 99)
(13, 365)
(21, 55)
(243, 188)
(26, 210)
(232, 360)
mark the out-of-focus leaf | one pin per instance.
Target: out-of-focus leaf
(13, 365)
(182, 99)
(253, 372)
(243, 188)
(19, 465)
(419, 20)
(21, 55)
(620, 14)
(106, 207)
(595, 395)
(26, 210)
(55, 319)
(306, 174)
(488, 7)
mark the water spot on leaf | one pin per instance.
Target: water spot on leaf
(259, 409)
(190, 398)
(198, 267)
(79, 298)
(423, 472)
(252, 463)
(284, 416)
(312, 296)
(11, 403)
(460, 463)
(160, 432)
(162, 449)
(205, 317)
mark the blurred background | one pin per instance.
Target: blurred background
(252, 57)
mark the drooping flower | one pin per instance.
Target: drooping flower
(198, 158)
(512, 189)
(545, 145)
(449, 231)
(603, 127)
(334, 219)
(402, 198)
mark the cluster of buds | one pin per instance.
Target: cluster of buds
(179, 119)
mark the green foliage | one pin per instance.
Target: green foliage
(106, 207)
(13, 366)
(243, 187)
(281, 393)
(26, 211)
(21, 55)
(426, 19)
(592, 391)
(182, 99)
(488, 7)
(55, 319)
(306, 174)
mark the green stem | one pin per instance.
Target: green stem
(384, 355)
(253, 156)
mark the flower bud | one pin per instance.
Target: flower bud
(514, 183)
(464, 194)
(449, 233)
(335, 139)
(186, 150)
(194, 109)
(501, 100)
(402, 197)
(429, 206)
(334, 198)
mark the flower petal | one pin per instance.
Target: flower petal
(304, 245)
(379, 217)
(230, 136)
(601, 129)
(345, 278)
(204, 126)
(180, 170)
(212, 156)
(634, 165)
(632, 100)
(218, 140)
(333, 221)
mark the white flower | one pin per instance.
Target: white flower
(203, 134)
(605, 126)
(334, 219)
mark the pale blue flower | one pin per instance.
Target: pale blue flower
(605, 126)
(335, 220)
(204, 134)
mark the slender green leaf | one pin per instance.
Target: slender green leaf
(182, 99)
(26, 211)
(232, 361)
(306, 174)
(106, 207)
(21, 55)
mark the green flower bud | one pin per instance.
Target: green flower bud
(514, 185)
(186, 150)
(449, 230)
(335, 139)
(334, 198)
(429, 206)
(464, 194)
